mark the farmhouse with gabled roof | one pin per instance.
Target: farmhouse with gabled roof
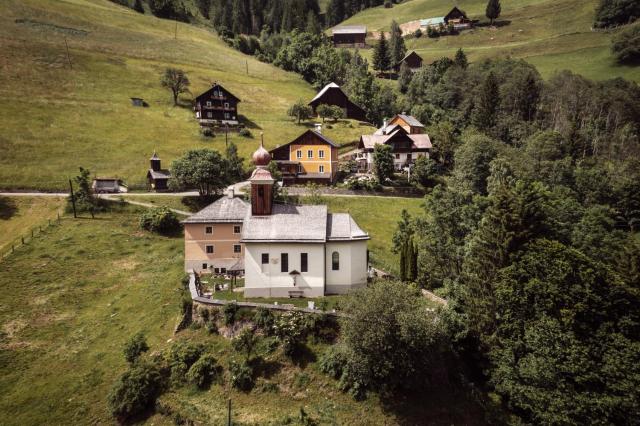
(217, 106)
(332, 94)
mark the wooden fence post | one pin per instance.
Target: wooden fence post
(22, 238)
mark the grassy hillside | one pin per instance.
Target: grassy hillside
(18, 215)
(55, 119)
(551, 34)
(76, 293)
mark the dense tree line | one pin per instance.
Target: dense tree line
(532, 235)
(611, 13)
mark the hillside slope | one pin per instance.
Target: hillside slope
(55, 118)
(551, 34)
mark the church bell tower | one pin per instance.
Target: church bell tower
(261, 183)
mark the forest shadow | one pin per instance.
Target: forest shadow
(498, 24)
(8, 208)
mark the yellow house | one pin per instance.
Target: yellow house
(311, 157)
(212, 237)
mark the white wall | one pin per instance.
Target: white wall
(353, 266)
(267, 280)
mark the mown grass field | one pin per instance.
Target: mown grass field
(19, 215)
(552, 35)
(376, 215)
(75, 294)
(56, 118)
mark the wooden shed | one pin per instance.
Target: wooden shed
(332, 94)
(413, 61)
(349, 36)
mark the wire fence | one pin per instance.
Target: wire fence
(29, 236)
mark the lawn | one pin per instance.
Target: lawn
(376, 215)
(20, 215)
(552, 35)
(56, 118)
(74, 295)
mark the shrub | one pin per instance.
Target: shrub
(290, 329)
(333, 361)
(245, 133)
(367, 183)
(211, 327)
(417, 33)
(263, 319)
(241, 375)
(134, 347)
(388, 4)
(182, 356)
(203, 371)
(161, 220)
(135, 391)
(229, 311)
(626, 45)
(207, 132)
(245, 342)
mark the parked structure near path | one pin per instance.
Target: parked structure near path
(286, 250)
(406, 136)
(157, 177)
(455, 18)
(311, 157)
(217, 107)
(332, 94)
(349, 36)
(108, 186)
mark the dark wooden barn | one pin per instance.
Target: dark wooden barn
(332, 94)
(157, 177)
(217, 106)
(413, 61)
(458, 19)
(349, 36)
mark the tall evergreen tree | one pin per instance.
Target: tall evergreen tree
(486, 108)
(404, 77)
(493, 10)
(137, 6)
(381, 59)
(335, 12)
(313, 24)
(460, 59)
(397, 49)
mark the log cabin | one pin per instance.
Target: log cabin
(217, 107)
(413, 61)
(332, 94)
(349, 36)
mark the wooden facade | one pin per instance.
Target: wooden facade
(458, 19)
(349, 36)
(261, 199)
(157, 177)
(311, 157)
(332, 94)
(413, 61)
(217, 106)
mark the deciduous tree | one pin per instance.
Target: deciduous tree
(176, 81)
(382, 162)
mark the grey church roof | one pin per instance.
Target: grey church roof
(226, 209)
(341, 226)
(287, 223)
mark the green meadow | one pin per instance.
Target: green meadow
(57, 117)
(20, 215)
(552, 35)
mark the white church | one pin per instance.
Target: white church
(298, 251)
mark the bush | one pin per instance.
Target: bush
(264, 320)
(135, 391)
(388, 4)
(246, 133)
(161, 220)
(626, 45)
(241, 375)
(203, 371)
(229, 311)
(417, 33)
(245, 342)
(181, 357)
(290, 329)
(211, 327)
(134, 347)
(367, 183)
(207, 132)
(333, 361)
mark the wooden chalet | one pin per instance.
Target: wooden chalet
(332, 94)
(349, 36)
(217, 107)
(157, 177)
(311, 157)
(406, 136)
(458, 19)
(413, 61)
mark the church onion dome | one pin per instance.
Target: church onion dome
(261, 157)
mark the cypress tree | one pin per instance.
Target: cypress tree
(381, 59)
(493, 10)
(460, 59)
(396, 43)
(485, 112)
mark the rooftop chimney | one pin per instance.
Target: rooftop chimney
(384, 126)
(319, 128)
(231, 192)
